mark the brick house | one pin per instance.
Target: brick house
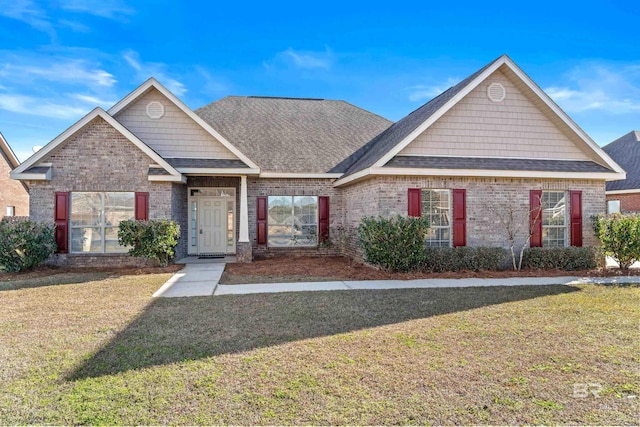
(624, 195)
(14, 195)
(262, 176)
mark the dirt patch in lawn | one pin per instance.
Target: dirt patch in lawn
(315, 269)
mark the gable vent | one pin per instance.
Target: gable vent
(496, 92)
(155, 110)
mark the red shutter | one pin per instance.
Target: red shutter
(459, 218)
(535, 221)
(61, 219)
(142, 206)
(575, 205)
(323, 218)
(415, 202)
(261, 220)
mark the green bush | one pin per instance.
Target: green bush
(464, 258)
(394, 244)
(25, 244)
(620, 237)
(568, 259)
(155, 239)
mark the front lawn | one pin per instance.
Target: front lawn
(99, 350)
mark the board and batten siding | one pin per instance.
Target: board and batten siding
(479, 127)
(175, 134)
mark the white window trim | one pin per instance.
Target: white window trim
(103, 226)
(566, 219)
(450, 226)
(292, 228)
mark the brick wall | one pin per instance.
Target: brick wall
(388, 196)
(12, 193)
(98, 158)
(628, 202)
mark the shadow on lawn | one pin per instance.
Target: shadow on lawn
(179, 329)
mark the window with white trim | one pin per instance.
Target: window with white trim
(292, 221)
(95, 217)
(554, 219)
(436, 207)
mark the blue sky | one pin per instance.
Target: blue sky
(61, 58)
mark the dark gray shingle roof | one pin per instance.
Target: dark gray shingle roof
(625, 151)
(38, 169)
(375, 149)
(495, 164)
(293, 134)
(205, 163)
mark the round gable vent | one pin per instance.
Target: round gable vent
(496, 92)
(155, 110)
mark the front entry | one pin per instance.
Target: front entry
(212, 225)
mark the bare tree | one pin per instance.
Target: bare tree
(516, 226)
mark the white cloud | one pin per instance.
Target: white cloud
(144, 70)
(111, 9)
(307, 60)
(39, 107)
(426, 92)
(26, 11)
(63, 71)
(602, 87)
(92, 100)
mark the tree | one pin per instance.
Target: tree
(620, 237)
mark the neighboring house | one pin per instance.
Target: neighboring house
(624, 195)
(258, 176)
(14, 195)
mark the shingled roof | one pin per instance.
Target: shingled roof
(626, 152)
(296, 135)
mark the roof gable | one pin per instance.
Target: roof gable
(384, 147)
(626, 152)
(8, 153)
(152, 85)
(34, 161)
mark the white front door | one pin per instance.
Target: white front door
(212, 225)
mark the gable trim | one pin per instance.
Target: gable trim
(152, 82)
(18, 173)
(8, 152)
(506, 61)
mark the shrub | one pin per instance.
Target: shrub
(620, 237)
(395, 244)
(25, 244)
(568, 259)
(155, 239)
(464, 258)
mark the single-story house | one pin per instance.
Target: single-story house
(14, 195)
(263, 176)
(624, 195)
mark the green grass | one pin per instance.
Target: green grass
(100, 350)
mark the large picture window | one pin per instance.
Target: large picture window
(95, 217)
(436, 207)
(293, 221)
(554, 219)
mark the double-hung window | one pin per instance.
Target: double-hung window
(95, 217)
(436, 207)
(293, 221)
(554, 219)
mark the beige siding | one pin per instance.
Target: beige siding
(478, 127)
(173, 135)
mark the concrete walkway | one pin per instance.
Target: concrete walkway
(202, 280)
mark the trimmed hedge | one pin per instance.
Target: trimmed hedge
(394, 244)
(438, 260)
(25, 244)
(155, 239)
(620, 237)
(568, 259)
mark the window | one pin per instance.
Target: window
(11, 211)
(436, 207)
(613, 206)
(293, 221)
(95, 218)
(554, 219)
